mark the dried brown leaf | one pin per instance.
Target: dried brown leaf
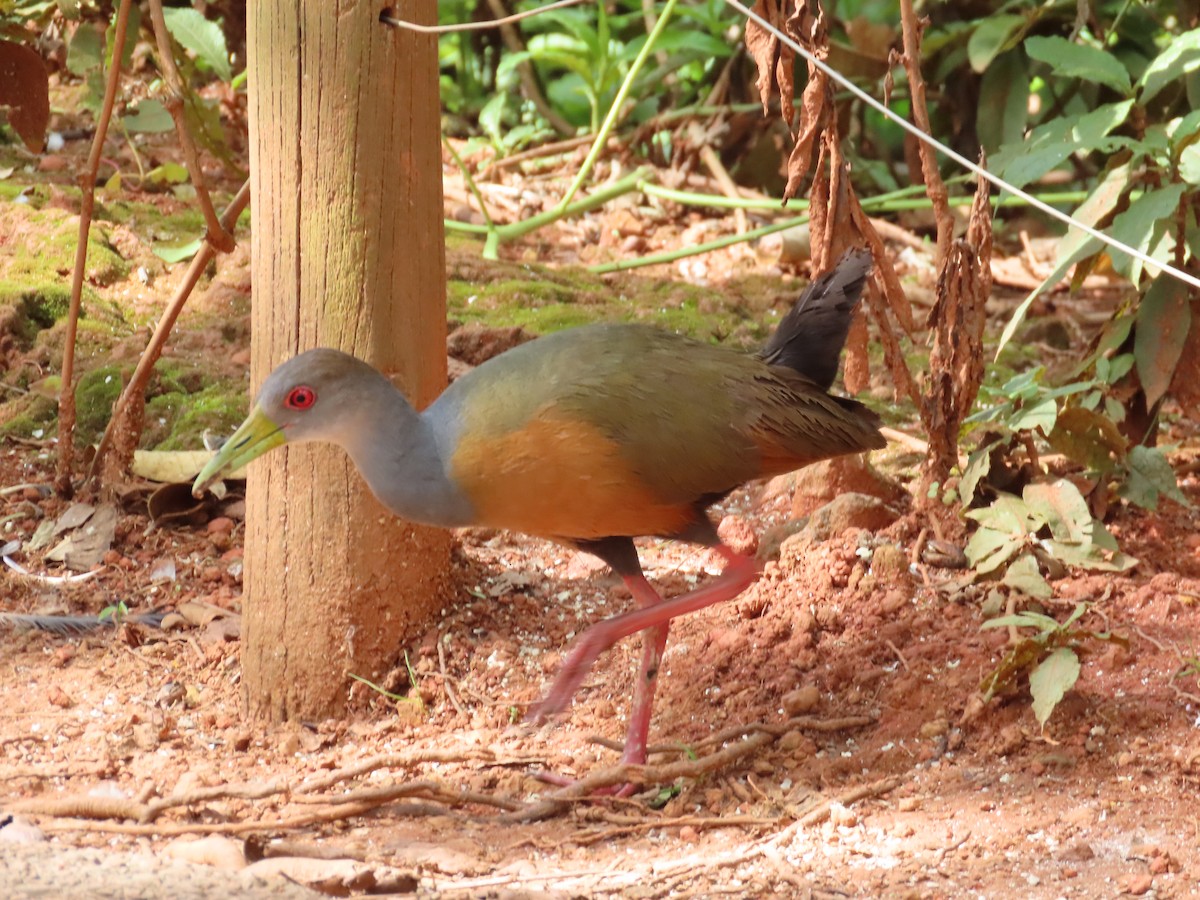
(763, 48)
(25, 90)
(814, 103)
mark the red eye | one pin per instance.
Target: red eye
(301, 397)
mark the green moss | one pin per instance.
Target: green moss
(177, 420)
(42, 303)
(95, 395)
(544, 301)
(46, 254)
(27, 414)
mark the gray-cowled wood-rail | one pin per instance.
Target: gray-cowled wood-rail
(590, 437)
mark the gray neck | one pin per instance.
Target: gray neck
(399, 458)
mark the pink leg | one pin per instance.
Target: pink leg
(740, 572)
(654, 642)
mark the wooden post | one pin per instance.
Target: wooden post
(347, 252)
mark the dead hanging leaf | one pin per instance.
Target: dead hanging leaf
(956, 322)
(813, 106)
(25, 90)
(763, 48)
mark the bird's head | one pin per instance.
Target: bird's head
(316, 396)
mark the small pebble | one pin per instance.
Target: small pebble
(738, 535)
(934, 728)
(220, 525)
(1138, 884)
(842, 816)
(802, 700)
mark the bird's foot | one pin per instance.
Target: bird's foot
(626, 789)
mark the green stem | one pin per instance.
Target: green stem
(672, 255)
(720, 201)
(614, 111)
(504, 233)
(471, 186)
(467, 227)
(894, 200)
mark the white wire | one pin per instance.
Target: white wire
(962, 160)
(474, 26)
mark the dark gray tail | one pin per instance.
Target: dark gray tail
(810, 337)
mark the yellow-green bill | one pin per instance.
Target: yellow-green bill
(254, 437)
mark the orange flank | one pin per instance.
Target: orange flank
(560, 478)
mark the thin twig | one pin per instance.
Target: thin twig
(721, 175)
(87, 185)
(447, 683)
(469, 181)
(538, 153)
(401, 790)
(134, 392)
(936, 188)
(394, 761)
(900, 656)
(216, 233)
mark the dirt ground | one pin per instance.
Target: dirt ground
(957, 799)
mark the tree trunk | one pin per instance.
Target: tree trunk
(347, 252)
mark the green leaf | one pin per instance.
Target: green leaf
(1007, 513)
(1040, 414)
(1089, 439)
(1071, 60)
(168, 173)
(1050, 144)
(1150, 475)
(992, 36)
(988, 550)
(200, 36)
(1023, 575)
(1060, 506)
(1163, 321)
(1002, 534)
(148, 117)
(87, 46)
(491, 118)
(1025, 619)
(1053, 677)
(1019, 659)
(1181, 56)
(1189, 164)
(1003, 101)
(978, 465)
(1143, 226)
(177, 252)
(1097, 207)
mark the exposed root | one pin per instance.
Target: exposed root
(86, 813)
